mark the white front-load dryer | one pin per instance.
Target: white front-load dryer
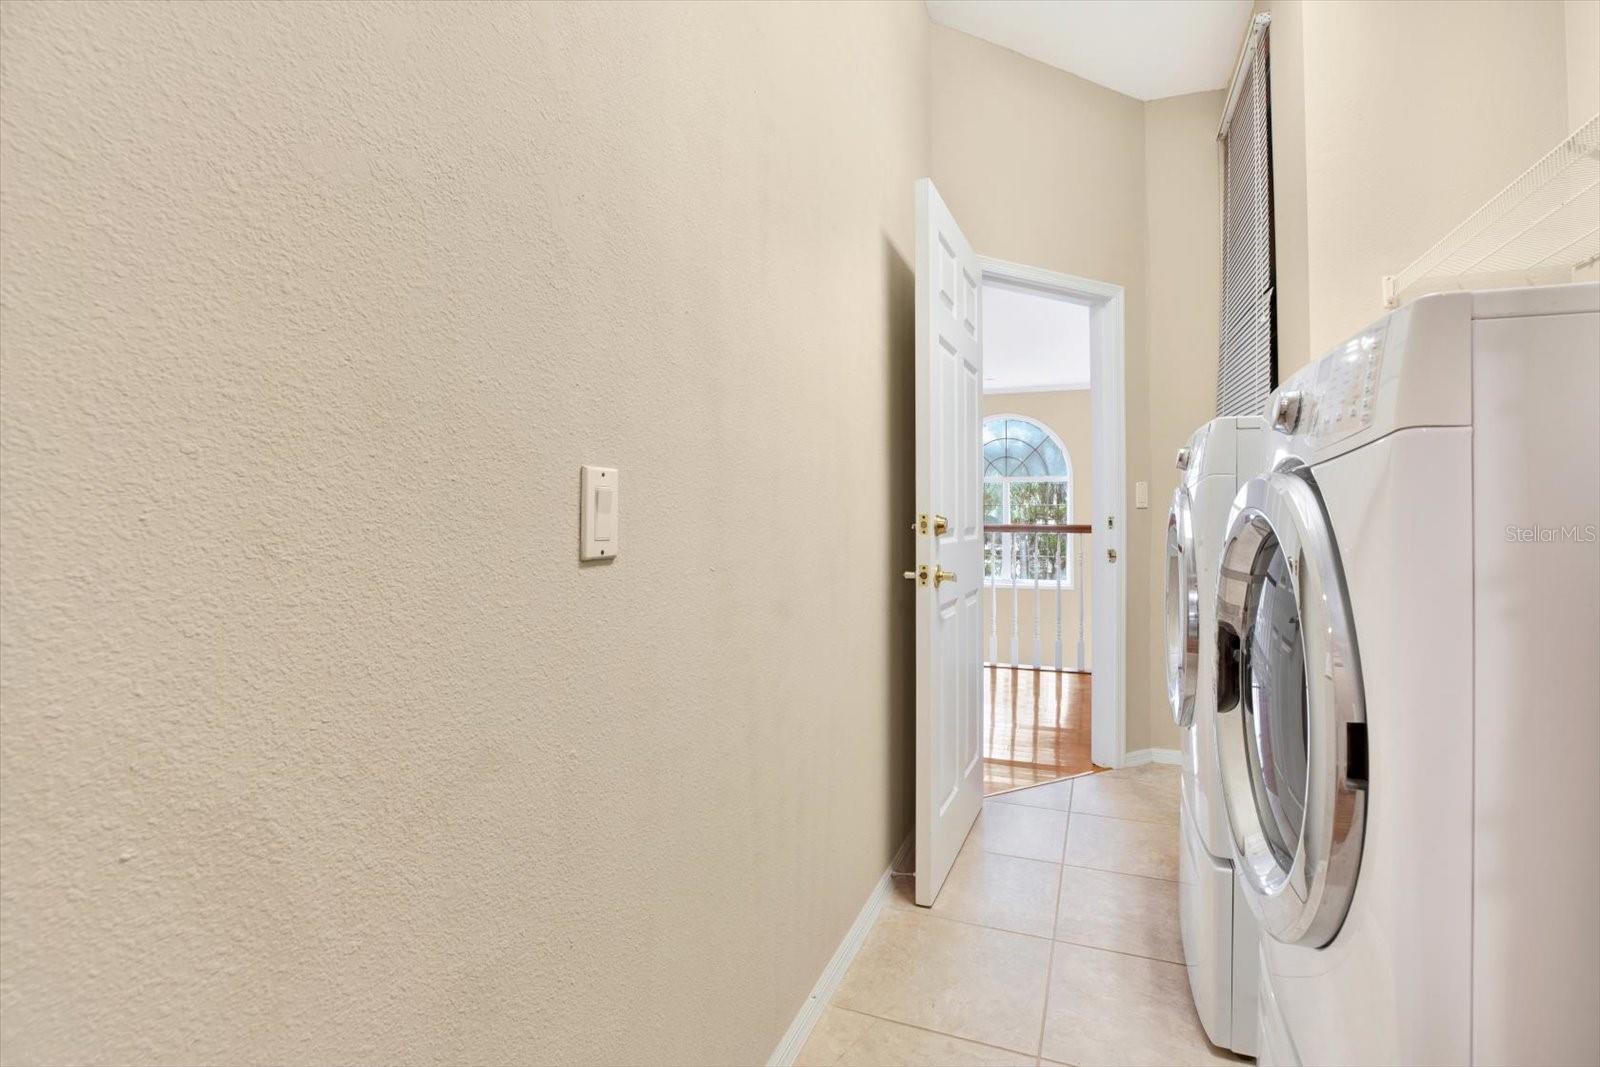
(1219, 932)
(1408, 711)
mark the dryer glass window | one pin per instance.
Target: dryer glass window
(1274, 702)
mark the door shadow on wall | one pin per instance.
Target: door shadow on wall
(899, 426)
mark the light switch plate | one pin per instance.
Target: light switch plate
(599, 515)
(1141, 494)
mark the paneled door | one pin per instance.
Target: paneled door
(949, 576)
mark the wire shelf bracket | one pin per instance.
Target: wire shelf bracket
(1538, 230)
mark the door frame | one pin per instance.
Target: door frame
(1108, 723)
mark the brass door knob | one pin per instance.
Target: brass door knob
(944, 576)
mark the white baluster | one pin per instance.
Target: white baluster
(994, 606)
(1056, 558)
(1083, 579)
(1014, 600)
(1033, 573)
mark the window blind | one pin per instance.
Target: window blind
(1247, 360)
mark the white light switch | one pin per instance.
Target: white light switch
(605, 513)
(1141, 494)
(597, 517)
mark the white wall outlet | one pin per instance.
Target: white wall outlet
(1141, 494)
(599, 519)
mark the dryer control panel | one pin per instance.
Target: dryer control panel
(1341, 387)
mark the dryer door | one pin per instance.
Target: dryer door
(1291, 718)
(1183, 610)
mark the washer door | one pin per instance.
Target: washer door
(1183, 610)
(1291, 716)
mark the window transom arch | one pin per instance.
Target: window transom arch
(1015, 446)
(1027, 480)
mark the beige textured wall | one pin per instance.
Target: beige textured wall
(1412, 115)
(1044, 168)
(318, 743)
(1582, 24)
(1185, 284)
(1583, 79)
(1067, 413)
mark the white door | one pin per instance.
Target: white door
(949, 552)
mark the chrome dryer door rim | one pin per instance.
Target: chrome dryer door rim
(1182, 610)
(1280, 546)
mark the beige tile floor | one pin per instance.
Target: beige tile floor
(1055, 940)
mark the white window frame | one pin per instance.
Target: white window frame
(1005, 482)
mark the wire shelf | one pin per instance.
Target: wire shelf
(1539, 229)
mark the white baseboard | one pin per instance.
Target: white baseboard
(1152, 755)
(794, 1039)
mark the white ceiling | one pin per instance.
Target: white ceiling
(1142, 48)
(1033, 341)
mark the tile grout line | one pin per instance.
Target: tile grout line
(1117, 952)
(931, 1030)
(1030, 859)
(1108, 870)
(925, 913)
(1019, 804)
(928, 913)
(1055, 924)
(1119, 818)
(1123, 818)
(1044, 1016)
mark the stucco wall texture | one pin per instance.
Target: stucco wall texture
(318, 744)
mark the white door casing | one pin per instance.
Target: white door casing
(1108, 576)
(949, 387)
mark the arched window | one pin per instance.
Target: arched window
(1027, 478)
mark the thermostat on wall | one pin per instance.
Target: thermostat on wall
(597, 517)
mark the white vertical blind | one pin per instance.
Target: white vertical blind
(1247, 362)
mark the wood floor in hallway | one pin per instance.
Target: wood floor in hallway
(1035, 726)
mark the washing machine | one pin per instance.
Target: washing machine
(1219, 932)
(1407, 714)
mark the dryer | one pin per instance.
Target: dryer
(1408, 710)
(1219, 932)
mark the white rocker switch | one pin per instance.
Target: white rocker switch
(597, 518)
